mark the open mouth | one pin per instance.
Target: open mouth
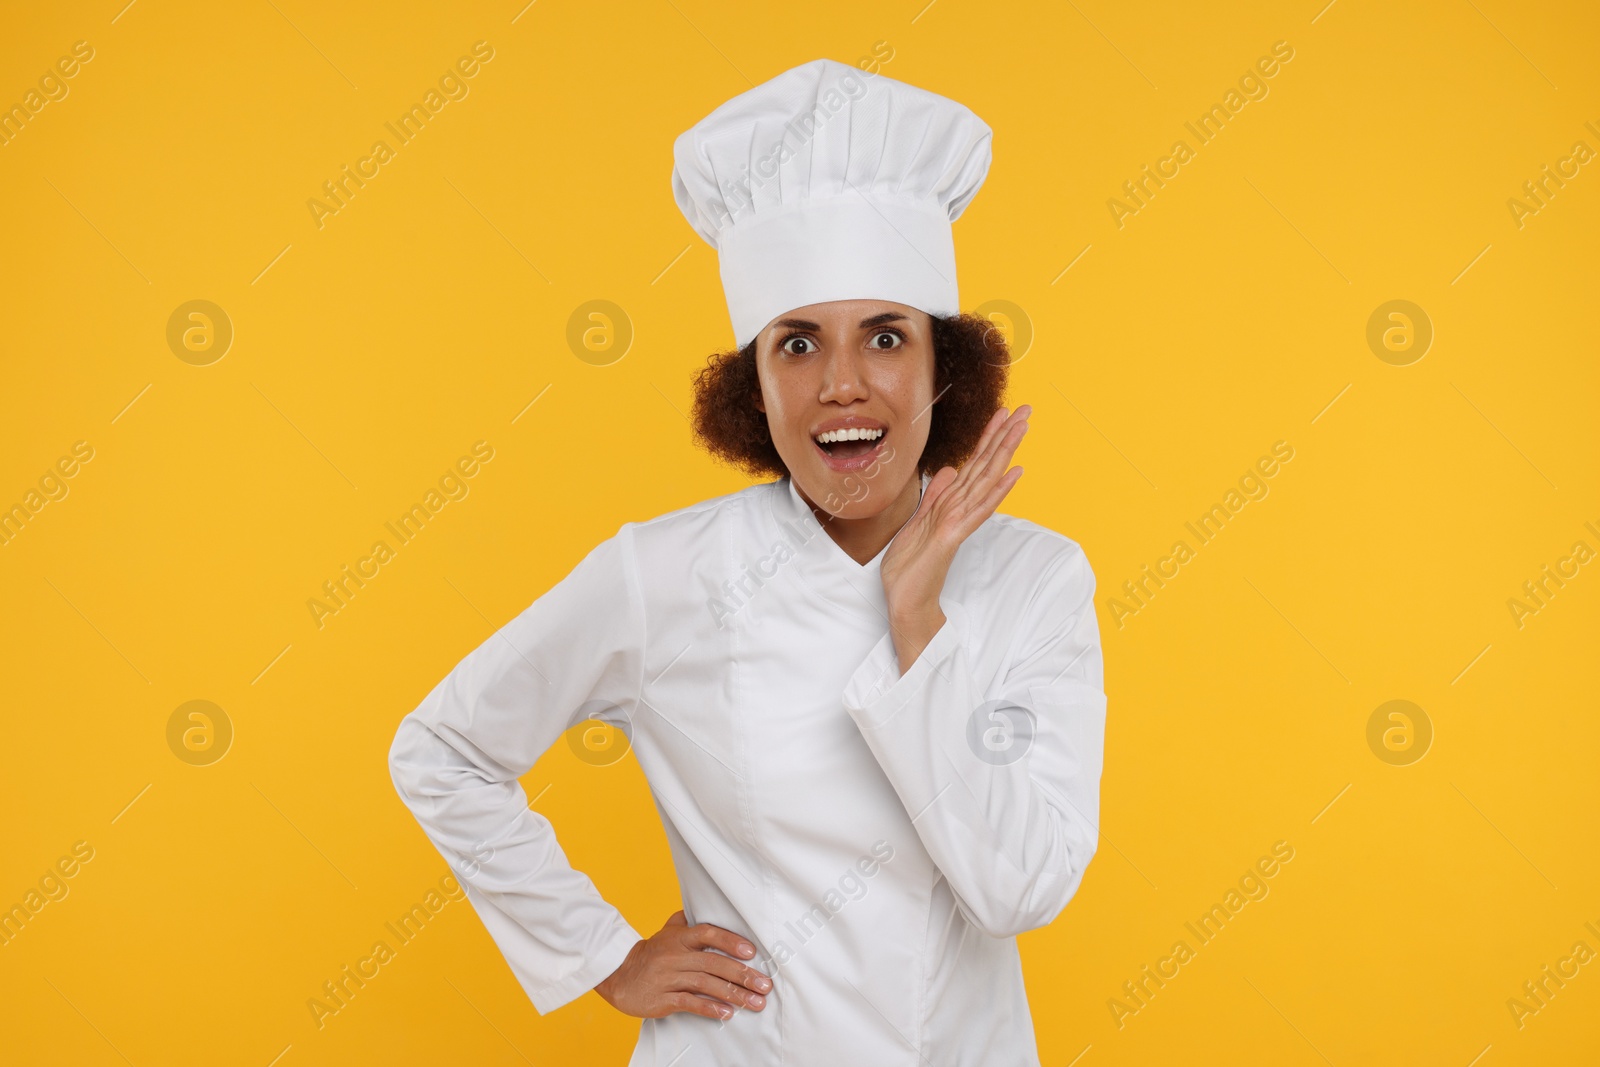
(851, 443)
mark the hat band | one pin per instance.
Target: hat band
(844, 248)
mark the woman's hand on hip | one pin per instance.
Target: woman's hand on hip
(682, 968)
(954, 504)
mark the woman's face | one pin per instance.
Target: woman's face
(848, 364)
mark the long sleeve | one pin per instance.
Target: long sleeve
(1003, 786)
(457, 758)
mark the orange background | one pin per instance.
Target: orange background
(1167, 355)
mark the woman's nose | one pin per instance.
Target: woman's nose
(842, 377)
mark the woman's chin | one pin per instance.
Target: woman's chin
(852, 495)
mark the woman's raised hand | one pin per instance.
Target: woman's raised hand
(682, 968)
(954, 504)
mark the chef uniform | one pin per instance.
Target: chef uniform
(880, 838)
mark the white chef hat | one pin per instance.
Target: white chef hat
(829, 183)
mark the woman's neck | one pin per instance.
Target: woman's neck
(862, 539)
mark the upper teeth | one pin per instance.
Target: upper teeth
(852, 434)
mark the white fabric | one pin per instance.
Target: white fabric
(828, 183)
(788, 758)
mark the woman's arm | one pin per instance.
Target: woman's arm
(1003, 786)
(456, 761)
(457, 758)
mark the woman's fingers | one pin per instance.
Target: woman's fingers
(704, 935)
(1001, 426)
(709, 970)
(956, 502)
(1001, 445)
(936, 487)
(970, 492)
(995, 421)
(721, 989)
(734, 972)
(695, 969)
(998, 493)
(695, 1004)
(989, 481)
(1000, 434)
(998, 423)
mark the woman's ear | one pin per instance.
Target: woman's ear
(760, 405)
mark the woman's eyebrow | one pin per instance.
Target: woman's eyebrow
(879, 320)
(865, 324)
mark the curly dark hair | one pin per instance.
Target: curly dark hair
(971, 362)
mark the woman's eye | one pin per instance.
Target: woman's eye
(788, 346)
(889, 338)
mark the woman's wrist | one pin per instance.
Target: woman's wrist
(607, 986)
(911, 631)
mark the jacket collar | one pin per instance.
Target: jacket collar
(822, 567)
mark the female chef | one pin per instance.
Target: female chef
(869, 706)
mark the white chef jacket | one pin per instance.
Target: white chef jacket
(881, 839)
